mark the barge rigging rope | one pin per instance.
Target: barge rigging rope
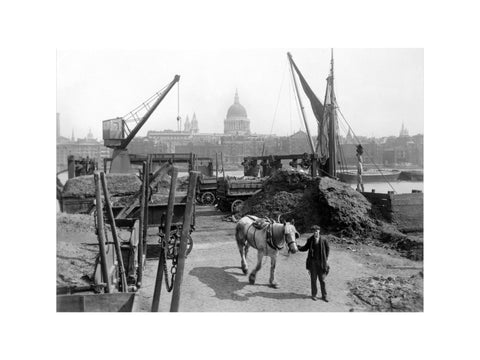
(366, 153)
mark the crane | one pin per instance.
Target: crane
(117, 134)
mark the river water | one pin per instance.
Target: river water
(400, 187)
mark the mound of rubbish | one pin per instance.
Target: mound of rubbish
(75, 223)
(333, 205)
(397, 294)
(118, 185)
(75, 264)
(162, 184)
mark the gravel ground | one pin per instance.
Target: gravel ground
(214, 282)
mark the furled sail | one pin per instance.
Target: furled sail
(318, 111)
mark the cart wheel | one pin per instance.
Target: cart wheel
(237, 206)
(208, 198)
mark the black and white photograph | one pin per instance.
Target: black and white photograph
(240, 179)
(263, 180)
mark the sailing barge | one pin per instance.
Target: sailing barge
(403, 210)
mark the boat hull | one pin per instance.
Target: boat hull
(351, 177)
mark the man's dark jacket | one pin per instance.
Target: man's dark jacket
(316, 254)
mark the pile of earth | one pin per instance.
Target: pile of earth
(75, 263)
(160, 188)
(118, 185)
(75, 223)
(75, 260)
(409, 246)
(380, 293)
(162, 184)
(333, 205)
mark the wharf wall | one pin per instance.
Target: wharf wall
(403, 210)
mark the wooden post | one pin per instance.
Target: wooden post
(216, 166)
(71, 166)
(101, 233)
(314, 165)
(142, 220)
(168, 225)
(113, 226)
(223, 169)
(187, 221)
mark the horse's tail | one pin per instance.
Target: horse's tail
(240, 235)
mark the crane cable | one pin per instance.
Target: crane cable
(276, 109)
(179, 119)
(366, 153)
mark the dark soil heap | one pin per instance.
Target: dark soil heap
(331, 204)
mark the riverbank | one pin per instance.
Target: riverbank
(363, 277)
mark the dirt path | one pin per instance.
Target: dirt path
(214, 282)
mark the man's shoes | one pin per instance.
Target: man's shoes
(314, 298)
(324, 298)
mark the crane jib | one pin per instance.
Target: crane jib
(115, 134)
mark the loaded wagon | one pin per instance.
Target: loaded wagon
(232, 192)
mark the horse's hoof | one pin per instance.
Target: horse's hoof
(274, 285)
(245, 271)
(251, 280)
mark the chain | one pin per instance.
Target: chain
(170, 249)
(170, 252)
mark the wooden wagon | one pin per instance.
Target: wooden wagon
(232, 192)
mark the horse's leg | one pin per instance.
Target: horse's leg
(253, 274)
(244, 258)
(242, 248)
(273, 263)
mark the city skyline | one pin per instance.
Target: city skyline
(378, 90)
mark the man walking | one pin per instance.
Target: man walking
(317, 261)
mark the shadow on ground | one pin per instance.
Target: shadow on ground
(225, 284)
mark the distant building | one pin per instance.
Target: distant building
(87, 147)
(236, 122)
(194, 128)
(80, 148)
(403, 131)
(187, 127)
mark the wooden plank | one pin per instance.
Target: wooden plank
(113, 229)
(166, 230)
(187, 222)
(116, 302)
(135, 201)
(101, 233)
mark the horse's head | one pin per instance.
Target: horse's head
(291, 236)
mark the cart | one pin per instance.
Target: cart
(120, 264)
(233, 192)
(207, 190)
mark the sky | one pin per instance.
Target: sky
(377, 89)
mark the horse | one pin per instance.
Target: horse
(267, 237)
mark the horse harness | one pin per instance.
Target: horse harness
(262, 224)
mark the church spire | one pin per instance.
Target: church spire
(236, 100)
(187, 125)
(194, 124)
